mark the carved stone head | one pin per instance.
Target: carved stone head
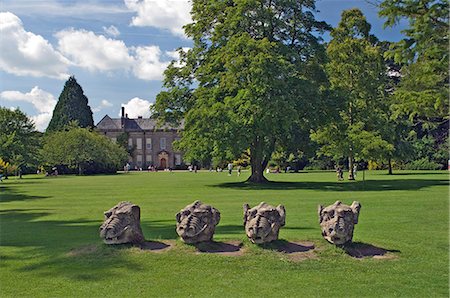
(338, 220)
(122, 224)
(263, 222)
(197, 222)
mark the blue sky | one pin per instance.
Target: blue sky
(116, 49)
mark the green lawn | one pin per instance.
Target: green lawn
(50, 245)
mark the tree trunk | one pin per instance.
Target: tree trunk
(350, 167)
(258, 163)
(389, 166)
(257, 175)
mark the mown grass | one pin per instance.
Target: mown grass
(50, 245)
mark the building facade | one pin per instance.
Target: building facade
(150, 145)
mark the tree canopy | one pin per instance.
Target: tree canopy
(252, 75)
(423, 92)
(423, 53)
(82, 150)
(72, 106)
(18, 138)
(356, 72)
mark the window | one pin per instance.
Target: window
(177, 159)
(149, 159)
(130, 142)
(139, 159)
(148, 143)
(162, 143)
(139, 144)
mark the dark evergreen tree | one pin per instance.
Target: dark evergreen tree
(72, 106)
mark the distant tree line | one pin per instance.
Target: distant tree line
(261, 88)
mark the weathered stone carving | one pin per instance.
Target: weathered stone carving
(197, 222)
(338, 220)
(263, 222)
(122, 224)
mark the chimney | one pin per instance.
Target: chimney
(139, 117)
(122, 118)
(126, 116)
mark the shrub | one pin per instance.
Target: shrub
(423, 164)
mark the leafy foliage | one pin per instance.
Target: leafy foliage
(252, 75)
(18, 138)
(423, 91)
(356, 74)
(72, 106)
(422, 94)
(83, 150)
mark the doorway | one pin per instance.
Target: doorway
(163, 163)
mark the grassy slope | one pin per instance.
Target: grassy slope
(44, 219)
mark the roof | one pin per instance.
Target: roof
(136, 124)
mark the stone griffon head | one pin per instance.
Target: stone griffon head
(263, 222)
(338, 220)
(122, 224)
(197, 222)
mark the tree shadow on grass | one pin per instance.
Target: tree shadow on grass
(7, 194)
(368, 185)
(68, 248)
(361, 250)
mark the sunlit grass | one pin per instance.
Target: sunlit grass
(50, 244)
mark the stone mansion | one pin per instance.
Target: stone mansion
(153, 144)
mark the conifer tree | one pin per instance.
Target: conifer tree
(72, 106)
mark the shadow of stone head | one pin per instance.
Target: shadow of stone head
(361, 250)
(217, 247)
(287, 246)
(153, 245)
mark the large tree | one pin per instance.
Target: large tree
(18, 138)
(72, 106)
(251, 76)
(357, 76)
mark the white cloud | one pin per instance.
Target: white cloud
(106, 103)
(103, 104)
(24, 53)
(148, 64)
(99, 53)
(136, 107)
(42, 120)
(171, 15)
(111, 31)
(94, 52)
(40, 99)
(43, 101)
